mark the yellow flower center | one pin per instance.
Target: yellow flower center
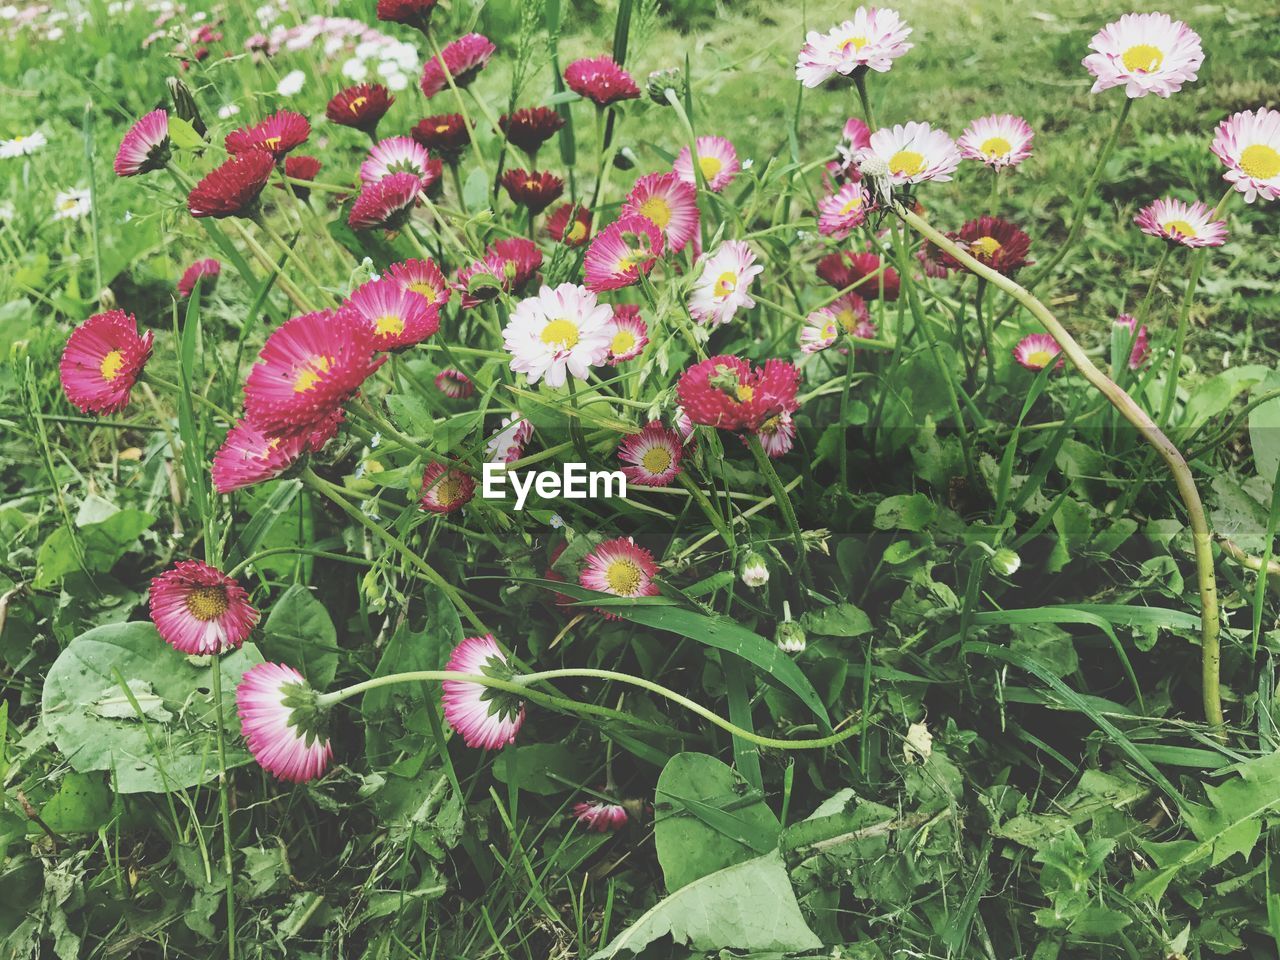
(389, 324)
(442, 128)
(271, 143)
(725, 284)
(310, 373)
(560, 333)
(770, 426)
(848, 319)
(207, 603)
(1039, 358)
(829, 330)
(623, 577)
(624, 341)
(656, 459)
(111, 365)
(657, 210)
(906, 163)
(449, 489)
(426, 289)
(853, 204)
(745, 392)
(1179, 228)
(576, 233)
(357, 103)
(69, 204)
(1260, 161)
(710, 167)
(856, 42)
(1142, 58)
(985, 246)
(995, 147)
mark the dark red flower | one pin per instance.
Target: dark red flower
(531, 127)
(387, 203)
(861, 271)
(728, 393)
(361, 106)
(462, 60)
(600, 80)
(301, 167)
(206, 271)
(413, 13)
(445, 135)
(570, 224)
(994, 242)
(532, 189)
(232, 189)
(278, 134)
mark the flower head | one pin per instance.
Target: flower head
(309, 366)
(863, 272)
(424, 278)
(23, 145)
(670, 203)
(600, 817)
(558, 332)
(102, 361)
(206, 271)
(145, 147)
(725, 282)
(621, 568)
(600, 80)
(445, 489)
(622, 252)
(412, 13)
(387, 203)
(1144, 53)
(999, 140)
(531, 127)
(1037, 351)
(300, 167)
(851, 314)
(570, 224)
(445, 135)
(483, 716)
(630, 334)
(71, 204)
(652, 456)
(754, 571)
(512, 262)
(393, 315)
(400, 155)
(872, 39)
(232, 189)
(250, 456)
(1140, 349)
(199, 610)
(277, 135)
(507, 443)
(728, 393)
(462, 60)
(281, 722)
(1185, 224)
(821, 329)
(914, 153)
(843, 211)
(531, 189)
(993, 242)
(777, 434)
(717, 161)
(454, 384)
(1249, 144)
(361, 106)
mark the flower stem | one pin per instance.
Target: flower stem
(781, 497)
(224, 808)
(462, 105)
(860, 82)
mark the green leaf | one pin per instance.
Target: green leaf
(542, 768)
(142, 753)
(104, 533)
(837, 620)
(81, 805)
(182, 135)
(1264, 436)
(911, 511)
(300, 632)
(749, 906)
(706, 818)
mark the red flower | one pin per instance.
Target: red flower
(445, 489)
(446, 135)
(102, 361)
(278, 134)
(993, 242)
(301, 167)
(600, 80)
(727, 392)
(231, 190)
(361, 106)
(413, 13)
(570, 224)
(424, 278)
(531, 127)
(512, 261)
(387, 203)
(861, 271)
(250, 456)
(532, 189)
(204, 270)
(464, 59)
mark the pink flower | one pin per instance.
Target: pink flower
(387, 203)
(507, 443)
(400, 155)
(281, 724)
(102, 361)
(777, 434)
(1037, 351)
(914, 153)
(145, 147)
(512, 262)
(463, 59)
(728, 393)
(1185, 224)
(393, 315)
(717, 160)
(630, 334)
(670, 203)
(454, 384)
(1249, 144)
(872, 39)
(620, 568)
(277, 135)
(445, 489)
(1144, 53)
(843, 211)
(622, 252)
(821, 329)
(1000, 140)
(424, 278)
(232, 188)
(483, 716)
(600, 817)
(250, 456)
(199, 610)
(206, 271)
(652, 456)
(600, 80)
(1140, 351)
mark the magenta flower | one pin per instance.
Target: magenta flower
(199, 610)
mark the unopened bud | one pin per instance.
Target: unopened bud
(790, 637)
(754, 571)
(1005, 562)
(184, 105)
(660, 81)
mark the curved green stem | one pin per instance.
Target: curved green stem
(780, 497)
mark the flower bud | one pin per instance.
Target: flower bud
(790, 637)
(660, 81)
(184, 105)
(1005, 562)
(754, 571)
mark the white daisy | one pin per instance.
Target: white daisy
(557, 332)
(70, 204)
(914, 153)
(724, 284)
(290, 84)
(22, 145)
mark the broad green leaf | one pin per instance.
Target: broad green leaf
(1264, 435)
(837, 620)
(542, 768)
(300, 632)
(182, 135)
(81, 805)
(909, 511)
(104, 534)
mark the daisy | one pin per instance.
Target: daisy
(1186, 224)
(1000, 140)
(71, 204)
(250, 456)
(717, 160)
(454, 384)
(630, 334)
(600, 817)
(462, 60)
(393, 315)
(361, 106)
(728, 393)
(621, 253)
(281, 726)
(1037, 351)
(309, 366)
(445, 489)
(446, 135)
(843, 211)
(291, 83)
(558, 332)
(102, 361)
(1140, 351)
(400, 155)
(777, 434)
(424, 278)
(620, 568)
(412, 13)
(232, 189)
(821, 329)
(1249, 144)
(914, 153)
(22, 145)
(387, 203)
(300, 167)
(277, 135)
(530, 128)
(531, 189)
(600, 80)
(145, 147)
(206, 271)
(1144, 53)
(670, 203)
(851, 314)
(873, 39)
(507, 443)
(862, 272)
(856, 137)
(652, 456)
(995, 243)
(199, 610)
(723, 286)
(482, 716)
(570, 224)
